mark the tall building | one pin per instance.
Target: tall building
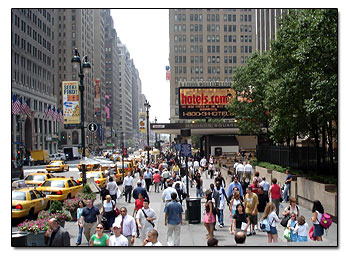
(76, 30)
(125, 85)
(99, 77)
(33, 79)
(207, 45)
(112, 82)
(267, 26)
(136, 84)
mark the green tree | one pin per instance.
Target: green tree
(248, 106)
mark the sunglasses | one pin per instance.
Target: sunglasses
(99, 228)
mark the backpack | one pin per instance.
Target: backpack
(264, 224)
(326, 221)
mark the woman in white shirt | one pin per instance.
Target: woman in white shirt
(302, 229)
(236, 199)
(269, 212)
(317, 210)
(108, 211)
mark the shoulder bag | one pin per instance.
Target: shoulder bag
(285, 219)
(145, 215)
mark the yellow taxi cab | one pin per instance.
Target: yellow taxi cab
(27, 202)
(60, 188)
(37, 178)
(99, 177)
(128, 167)
(118, 176)
(89, 167)
(57, 166)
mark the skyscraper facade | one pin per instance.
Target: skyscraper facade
(207, 45)
(34, 79)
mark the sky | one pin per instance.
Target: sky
(145, 32)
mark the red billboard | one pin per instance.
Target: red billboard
(204, 102)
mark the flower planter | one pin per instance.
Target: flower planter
(36, 239)
(19, 239)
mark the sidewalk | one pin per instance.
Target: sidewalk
(195, 234)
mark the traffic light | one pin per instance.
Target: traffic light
(63, 136)
(19, 152)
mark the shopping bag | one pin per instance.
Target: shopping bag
(311, 232)
(287, 234)
(243, 226)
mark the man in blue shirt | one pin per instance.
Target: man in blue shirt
(148, 177)
(139, 190)
(235, 183)
(287, 184)
(174, 219)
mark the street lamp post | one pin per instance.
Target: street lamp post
(147, 106)
(84, 67)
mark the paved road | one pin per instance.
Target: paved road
(195, 234)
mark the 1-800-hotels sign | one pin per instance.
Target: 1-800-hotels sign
(204, 102)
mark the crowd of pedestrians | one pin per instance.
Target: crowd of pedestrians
(247, 202)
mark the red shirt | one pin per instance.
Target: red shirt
(254, 188)
(275, 191)
(139, 204)
(157, 177)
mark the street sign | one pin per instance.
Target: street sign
(177, 147)
(92, 127)
(186, 150)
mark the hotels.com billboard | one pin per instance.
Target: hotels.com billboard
(204, 102)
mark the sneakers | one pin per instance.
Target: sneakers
(221, 226)
(249, 234)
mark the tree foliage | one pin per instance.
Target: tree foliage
(295, 82)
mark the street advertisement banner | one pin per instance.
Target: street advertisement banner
(97, 99)
(142, 122)
(205, 102)
(70, 95)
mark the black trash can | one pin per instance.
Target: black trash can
(19, 239)
(194, 210)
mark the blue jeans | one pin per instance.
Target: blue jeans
(220, 216)
(286, 189)
(199, 192)
(80, 235)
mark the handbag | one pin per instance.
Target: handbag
(287, 234)
(243, 226)
(285, 220)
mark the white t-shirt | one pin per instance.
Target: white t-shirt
(156, 244)
(273, 218)
(146, 226)
(203, 162)
(318, 219)
(128, 181)
(108, 206)
(248, 168)
(112, 187)
(302, 230)
(196, 164)
(240, 168)
(118, 241)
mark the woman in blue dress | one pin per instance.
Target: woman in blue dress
(291, 225)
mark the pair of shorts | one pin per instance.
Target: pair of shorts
(253, 219)
(273, 231)
(318, 230)
(302, 239)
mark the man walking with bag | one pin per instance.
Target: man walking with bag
(144, 219)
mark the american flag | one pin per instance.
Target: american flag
(61, 117)
(16, 108)
(54, 114)
(26, 108)
(50, 112)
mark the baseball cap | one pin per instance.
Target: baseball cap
(116, 224)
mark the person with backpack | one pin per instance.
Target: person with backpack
(272, 218)
(318, 212)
